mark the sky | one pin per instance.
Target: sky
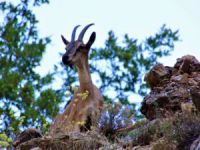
(138, 18)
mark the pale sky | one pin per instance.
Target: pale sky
(138, 18)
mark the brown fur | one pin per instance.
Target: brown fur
(79, 112)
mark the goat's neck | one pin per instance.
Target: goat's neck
(84, 75)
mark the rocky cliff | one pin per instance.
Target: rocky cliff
(171, 110)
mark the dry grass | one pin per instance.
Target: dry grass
(73, 141)
(113, 118)
(180, 130)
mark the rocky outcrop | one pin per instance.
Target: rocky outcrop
(172, 88)
(69, 141)
(27, 135)
(195, 95)
(172, 111)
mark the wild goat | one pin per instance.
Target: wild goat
(85, 107)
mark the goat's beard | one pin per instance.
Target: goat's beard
(71, 66)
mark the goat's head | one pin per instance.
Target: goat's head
(76, 49)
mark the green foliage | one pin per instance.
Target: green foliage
(179, 130)
(120, 67)
(4, 140)
(127, 63)
(26, 99)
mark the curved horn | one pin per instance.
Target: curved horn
(74, 33)
(81, 35)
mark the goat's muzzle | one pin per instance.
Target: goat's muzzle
(66, 61)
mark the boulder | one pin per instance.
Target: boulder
(195, 95)
(171, 87)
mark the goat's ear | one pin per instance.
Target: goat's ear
(91, 40)
(64, 40)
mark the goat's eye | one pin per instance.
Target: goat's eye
(80, 48)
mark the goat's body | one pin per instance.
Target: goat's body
(83, 111)
(76, 115)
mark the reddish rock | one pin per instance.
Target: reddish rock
(182, 78)
(195, 94)
(169, 89)
(156, 74)
(187, 64)
(26, 135)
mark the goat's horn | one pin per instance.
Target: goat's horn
(74, 33)
(81, 35)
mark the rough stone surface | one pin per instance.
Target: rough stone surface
(171, 87)
(71, 141)
(195, 94)
(155, 75)
(27, 135)
(171, 110)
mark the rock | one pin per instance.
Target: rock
(192, 82)
(196, 76)
(161, 145)
(184, 67)
(165, 102)
(146, 147)
(36, 148)
(155, 75)
(71, 141)
(152, 103)
(27, 135)
(170, 88)
(195, 94)
(187, 64)
(187, 108)
(182, 78)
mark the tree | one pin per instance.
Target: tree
(26, 98)
(124, 66)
